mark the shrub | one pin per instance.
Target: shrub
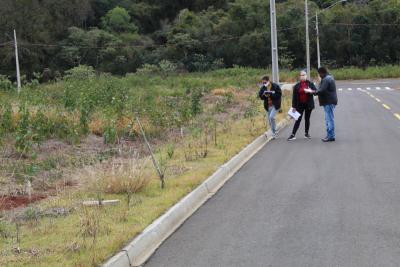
(110, 134)
(196, 107)
(125, 177)
(5, 83)
(24, 136)
(81, 72)
(167, 67)
(65, 128)
(148, 69)
(5, 231)
(42, 126)
(7, 124)
(202, 63)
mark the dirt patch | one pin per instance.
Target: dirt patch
(11, 202)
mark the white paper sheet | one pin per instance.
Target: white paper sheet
(294, 114)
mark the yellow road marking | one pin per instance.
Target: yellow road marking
(397, 115)
(386, 106)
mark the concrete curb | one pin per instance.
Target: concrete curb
(144, 245)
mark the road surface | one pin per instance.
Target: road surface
(308, 203)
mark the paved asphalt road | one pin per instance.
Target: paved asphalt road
(308, 203)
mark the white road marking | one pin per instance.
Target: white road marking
(397, 115)
(359, 89)
(386, 106)
(368, 88)
(350, 89)
(378, 100)
(388, 88)
(378, 88)
(340, 89)
(369, 83)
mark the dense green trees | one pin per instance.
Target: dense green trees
(120, 36)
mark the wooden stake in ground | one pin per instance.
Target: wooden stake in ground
(160, 173)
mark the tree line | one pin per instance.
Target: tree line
(123, 36)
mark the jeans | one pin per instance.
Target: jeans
(271, 118)
(302, 109)
(330, 121)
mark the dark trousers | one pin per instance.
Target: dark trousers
(302, 109)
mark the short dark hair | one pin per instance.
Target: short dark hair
(322, 70)
(265, 78)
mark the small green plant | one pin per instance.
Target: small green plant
(5, 83)
(220, 106)
(42, 127)
(6, 119)
(196, 106)
(5, 231)
(65, 128)
(110, 134)
(24, 135)
(170, 150)
(31, 214)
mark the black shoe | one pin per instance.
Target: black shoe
(291, 137)
(307, 136)
(325, 140)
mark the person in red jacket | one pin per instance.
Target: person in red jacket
(303, 102)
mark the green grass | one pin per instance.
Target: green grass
(381, 72)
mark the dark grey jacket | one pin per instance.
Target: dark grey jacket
(327, 91)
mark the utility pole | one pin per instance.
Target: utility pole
(307, 41)
(274, 43)
(318, 51)
(17, 63)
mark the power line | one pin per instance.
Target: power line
(44, 45)
(362, 24)
(85, 47)
(26, 44)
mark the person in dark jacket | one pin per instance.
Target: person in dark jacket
(303, 102)
(327, 96)
(271, 94)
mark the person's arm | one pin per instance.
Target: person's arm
(313, 87)
(323, 87)
(261, 93)
(277, 92)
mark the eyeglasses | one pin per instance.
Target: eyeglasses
(303, 74)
